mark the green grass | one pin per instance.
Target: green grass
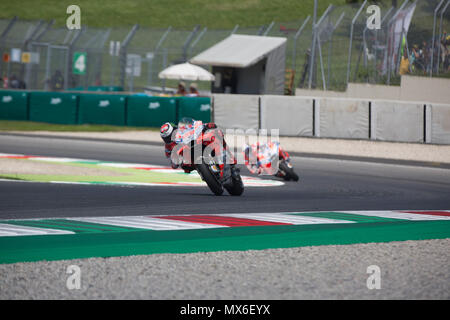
(6, 125)
(129, 175)
(164, 13)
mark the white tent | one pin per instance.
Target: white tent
(186, 71)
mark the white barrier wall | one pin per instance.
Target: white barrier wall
(397, 121)
(342, 118)
(236, 111)
(293, 116)
(385, 120)
(439, 123)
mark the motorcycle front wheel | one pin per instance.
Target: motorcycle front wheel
(210, 178)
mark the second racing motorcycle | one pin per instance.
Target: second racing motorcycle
(269, 159)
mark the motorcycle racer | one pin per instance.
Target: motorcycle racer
(256, 158)
(167, 133)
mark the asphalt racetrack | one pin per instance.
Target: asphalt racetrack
(324, 184)
(410, 269)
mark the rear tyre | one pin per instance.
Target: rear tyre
(210, 179)
(290, 174)
(237, 188)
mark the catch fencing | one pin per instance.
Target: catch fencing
(325, 50)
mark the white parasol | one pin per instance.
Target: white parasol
(186, 71)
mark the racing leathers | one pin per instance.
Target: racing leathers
(255, 158)
(189, 167)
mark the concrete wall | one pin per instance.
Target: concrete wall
(385, 120)
(397, 121)
(412, 88)
(438, 123)
(342, 118)
(293, 116)
(236, 111)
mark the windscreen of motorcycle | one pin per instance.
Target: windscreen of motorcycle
(188, 131)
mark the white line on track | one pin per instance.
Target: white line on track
(14, 230)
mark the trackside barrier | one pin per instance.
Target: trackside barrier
(14, 105)
(98, 88)
(342, 118)
(383, 120)
(293, 116)
(198, 108)
(397, 121)
(102, 109)
(438, 123)
(150, 111)
(53, 107)
(105, 88)
(236, 111)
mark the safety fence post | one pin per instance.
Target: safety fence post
(351, 40)
(317, 38)
(188, 41)
(434, 35)
(123, 54)
(294, 50)
(440, 36)
(389, 40)
(330, 46)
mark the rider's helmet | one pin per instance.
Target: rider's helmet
(246, 150)
(166, 132)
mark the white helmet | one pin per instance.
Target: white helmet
(166, 132)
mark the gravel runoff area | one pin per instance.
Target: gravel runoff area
(343, 147)
(409, 270)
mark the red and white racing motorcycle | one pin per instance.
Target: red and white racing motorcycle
(205, 150)
(269, 159)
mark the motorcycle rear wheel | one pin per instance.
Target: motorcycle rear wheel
(237, 188)
(290, 174)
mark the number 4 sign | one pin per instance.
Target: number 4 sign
(79, 63)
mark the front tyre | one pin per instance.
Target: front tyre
(210, 179)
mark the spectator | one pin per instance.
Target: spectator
(98, 79)
(423, 57)
(447, 54)
(404, 64)
(444, 52)
(193, 90)
(414, 58)
(181, 88)
(305, 72)
(57, 81)
(14, 83)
